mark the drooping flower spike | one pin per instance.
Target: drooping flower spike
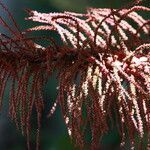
(103, 69)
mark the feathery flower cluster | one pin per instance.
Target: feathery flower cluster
(103, 69)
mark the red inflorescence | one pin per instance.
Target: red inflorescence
(103, 69)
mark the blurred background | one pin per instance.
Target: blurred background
(53, 132)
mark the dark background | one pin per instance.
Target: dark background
(53, 133)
